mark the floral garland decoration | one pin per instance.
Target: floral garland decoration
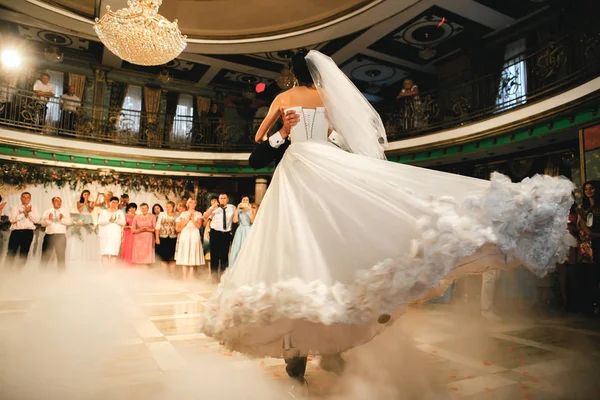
(22, 175)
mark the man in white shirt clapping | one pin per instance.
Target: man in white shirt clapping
(22, 224)
(55, 220)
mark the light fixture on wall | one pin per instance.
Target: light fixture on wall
(53, 54)
(372, 88)
(164, 76)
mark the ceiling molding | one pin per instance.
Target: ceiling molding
(479, 13)
(349, 23)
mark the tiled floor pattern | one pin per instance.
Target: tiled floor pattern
(433, 352)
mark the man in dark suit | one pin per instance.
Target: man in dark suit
(265, 153)
(272, 150)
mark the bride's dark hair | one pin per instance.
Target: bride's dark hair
(300, 68)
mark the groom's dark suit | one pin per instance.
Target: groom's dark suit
(264, 154)
(260, 157)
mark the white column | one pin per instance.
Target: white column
(260, 188)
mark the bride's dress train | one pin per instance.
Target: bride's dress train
(341, 240)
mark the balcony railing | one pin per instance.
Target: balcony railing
(521, 80)
(78, 120)
(518, 81)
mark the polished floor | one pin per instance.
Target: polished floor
(134, 335)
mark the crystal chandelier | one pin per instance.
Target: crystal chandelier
(139, 35)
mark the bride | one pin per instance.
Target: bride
(345, 239)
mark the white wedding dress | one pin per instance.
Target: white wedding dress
(343, 240)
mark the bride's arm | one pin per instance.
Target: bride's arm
(269, 121)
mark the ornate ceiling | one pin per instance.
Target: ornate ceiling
(205, 18)
(238, 43)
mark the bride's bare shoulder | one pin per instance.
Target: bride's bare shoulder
(299, 96)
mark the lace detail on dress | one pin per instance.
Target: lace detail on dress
(312, 126)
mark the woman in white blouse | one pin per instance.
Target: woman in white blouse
(111, 223)
(189, 252)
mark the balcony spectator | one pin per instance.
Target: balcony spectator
(69, 103)
(215, 122)
(44, 89)
(411, 112)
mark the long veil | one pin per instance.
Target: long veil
(350, 114)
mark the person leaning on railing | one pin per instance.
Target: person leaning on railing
(44, 89)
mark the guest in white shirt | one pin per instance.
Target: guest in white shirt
(44, 89)
(22, 219)
(111, 221)
(69, 103)
(55, 220)
(221, 217)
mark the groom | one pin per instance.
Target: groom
(272, 150)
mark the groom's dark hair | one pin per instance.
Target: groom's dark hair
(300, 68)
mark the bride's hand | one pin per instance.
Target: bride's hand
(290, 119)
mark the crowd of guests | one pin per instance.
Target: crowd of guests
(579, 277)
(180, 235)
(137, 235)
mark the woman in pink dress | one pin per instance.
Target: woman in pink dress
(127, 243)
(143, 229)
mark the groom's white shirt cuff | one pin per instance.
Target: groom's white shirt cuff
(276, 140)
(339, 141)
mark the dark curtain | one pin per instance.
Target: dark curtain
(171, 110)
(149, 126)
(488, 66)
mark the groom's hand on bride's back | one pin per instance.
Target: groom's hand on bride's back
(290, 119)
(264, 153)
